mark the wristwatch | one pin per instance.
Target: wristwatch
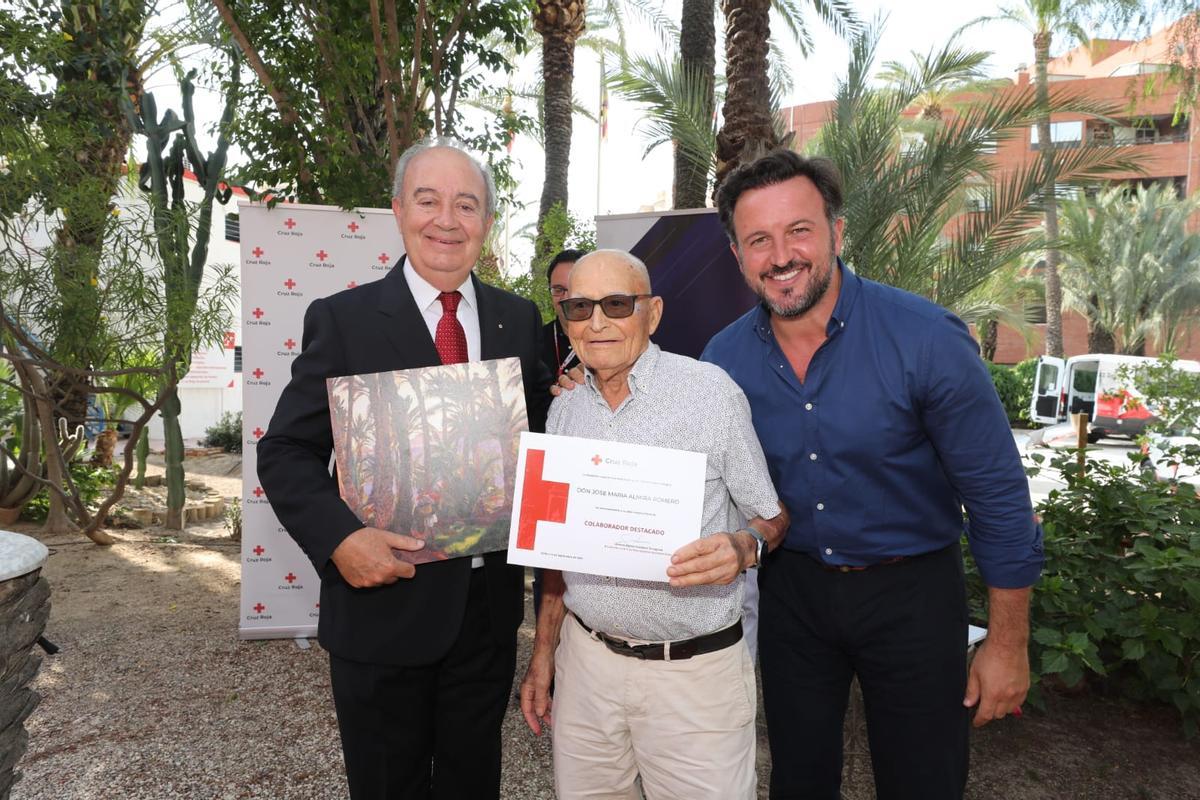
(760, 546)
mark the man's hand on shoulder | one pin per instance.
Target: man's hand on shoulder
(718, 559)
(568, 380)
(365, 558)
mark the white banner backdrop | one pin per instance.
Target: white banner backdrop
(291, 255)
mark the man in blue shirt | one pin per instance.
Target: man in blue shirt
(880, 425)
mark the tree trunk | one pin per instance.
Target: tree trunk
(1054, 329)
(1100, 339)
(560, 24)
(176, 515)
(748, 131)
(698, 56)
(989, 335)
(143, 450)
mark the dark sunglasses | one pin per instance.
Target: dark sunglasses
(615, 306)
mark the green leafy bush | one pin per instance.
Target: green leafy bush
(1119, 598)
(226, 434)
(1008, 386)
(92, 482)
(1025, 372)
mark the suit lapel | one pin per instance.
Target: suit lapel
(403, 323)
(493, 337)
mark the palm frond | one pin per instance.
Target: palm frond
(675, 106)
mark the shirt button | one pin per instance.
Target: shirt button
(820, 506)
(808, 406)
(812, 456)
(828, 551)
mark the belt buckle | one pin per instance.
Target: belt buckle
(844, 568)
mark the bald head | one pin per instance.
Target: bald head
(615, 265)
(610, 345)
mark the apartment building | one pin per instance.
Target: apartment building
(1131, 77)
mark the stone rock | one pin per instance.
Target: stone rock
(24, 610)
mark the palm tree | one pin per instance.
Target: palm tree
(560, 22)
(1131, 266)
(698, 67)
(938, 219)
(1002, 299)
(1041, 18)
(748, 121)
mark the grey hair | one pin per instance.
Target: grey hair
(451, 143)
(638, 266)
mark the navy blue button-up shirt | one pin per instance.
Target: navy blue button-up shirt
(896, 428)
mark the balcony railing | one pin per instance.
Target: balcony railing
(1101, 139)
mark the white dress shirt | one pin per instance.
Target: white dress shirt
(431, 308)
(427, 300)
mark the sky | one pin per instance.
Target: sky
(621, 180)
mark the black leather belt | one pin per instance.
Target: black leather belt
(848, 568)
(677, 651)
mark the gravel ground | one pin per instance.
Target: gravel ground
(154, 697)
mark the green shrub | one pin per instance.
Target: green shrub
(226, 434)
(1025, 372)
(1119, 598)
(1008, 386)
(92, 482)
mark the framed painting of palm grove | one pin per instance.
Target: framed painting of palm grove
(431, 452)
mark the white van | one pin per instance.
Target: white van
(1089, 384)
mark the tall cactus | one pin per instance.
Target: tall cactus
(183, 263)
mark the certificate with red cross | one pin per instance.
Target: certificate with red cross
(605, 508)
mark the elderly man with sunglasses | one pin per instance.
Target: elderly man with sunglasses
(653, 679)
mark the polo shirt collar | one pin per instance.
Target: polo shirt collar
(639, 378)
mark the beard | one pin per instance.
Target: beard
(793, 304)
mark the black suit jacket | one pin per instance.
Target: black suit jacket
(377, 327)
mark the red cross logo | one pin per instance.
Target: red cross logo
(353, 226)
(258, 373)
(229, 340)
(383, 258)
(258, 551)
(322, 255)
(258, 491)
(596, 459)
(258, 251)
(289, 344)
(291, 284)
(258, 313)
(290, 578)
(290, 223)
(351, 284)
(258, 432)
(541, 500)
(259, 607)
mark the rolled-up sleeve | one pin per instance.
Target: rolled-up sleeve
(966, 423)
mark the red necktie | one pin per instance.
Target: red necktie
(450, 339)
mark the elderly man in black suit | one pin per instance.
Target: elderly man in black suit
(421, 658)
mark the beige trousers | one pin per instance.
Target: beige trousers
(686, 727)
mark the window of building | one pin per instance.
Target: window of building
(232, 228)
(237, 358)
(1063, 134)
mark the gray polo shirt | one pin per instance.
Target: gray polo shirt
(684, 404)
